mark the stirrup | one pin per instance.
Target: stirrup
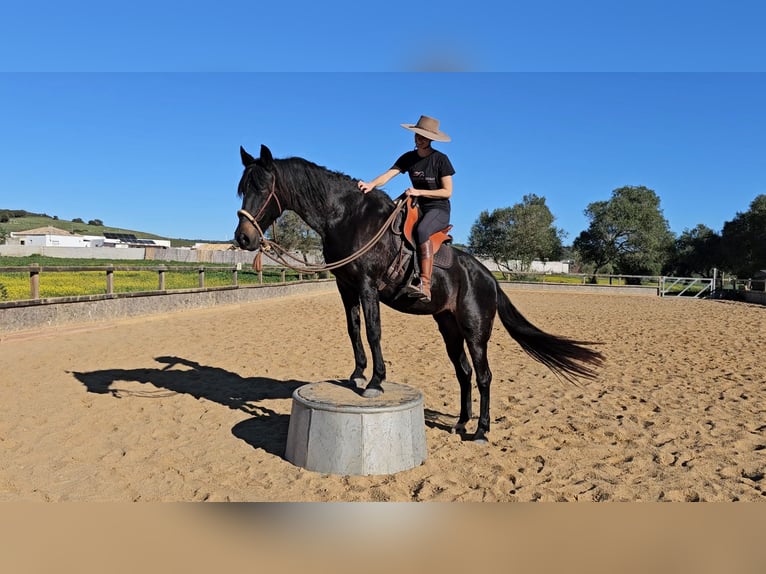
(419, 294)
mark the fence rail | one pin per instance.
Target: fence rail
(35, 272)
(666, 286)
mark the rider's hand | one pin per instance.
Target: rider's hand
(364, 186)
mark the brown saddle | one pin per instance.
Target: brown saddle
(411, 219)
(404, 266)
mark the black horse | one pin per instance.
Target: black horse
(464, 297)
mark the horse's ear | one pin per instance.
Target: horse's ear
(266, 158)
(247, 159)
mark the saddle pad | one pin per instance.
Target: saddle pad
(444, 257)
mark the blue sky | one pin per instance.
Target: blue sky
(134, 115)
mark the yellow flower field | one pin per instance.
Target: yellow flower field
(16, 286)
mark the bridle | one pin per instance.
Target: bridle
(282, 254)
(254, 219)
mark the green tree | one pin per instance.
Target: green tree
(627, 234)
(743, 240)
(695, 252)
(522, 233)
(292, 233)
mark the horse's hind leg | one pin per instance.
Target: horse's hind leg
(478, 351)
(456, 351)
(352, 305)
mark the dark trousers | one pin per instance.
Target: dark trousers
(430, 222)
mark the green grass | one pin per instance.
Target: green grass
(15, 286)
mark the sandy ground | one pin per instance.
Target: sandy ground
(195, 406)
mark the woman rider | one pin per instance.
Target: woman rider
(431, 174)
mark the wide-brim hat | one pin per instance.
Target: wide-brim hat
(428, 128)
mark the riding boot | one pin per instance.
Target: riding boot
(426, 253)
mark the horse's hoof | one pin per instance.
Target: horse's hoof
(480, 438)
(357, 382)
(372, 392)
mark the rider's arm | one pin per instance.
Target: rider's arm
(382, 179)
(444, 193)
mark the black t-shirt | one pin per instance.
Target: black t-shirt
(426, 173)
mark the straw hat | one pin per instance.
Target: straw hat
(428, 128)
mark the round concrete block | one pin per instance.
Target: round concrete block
(333, 429)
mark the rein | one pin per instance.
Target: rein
(281, 254)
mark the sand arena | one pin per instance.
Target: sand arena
(195, 406)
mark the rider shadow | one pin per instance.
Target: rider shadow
(266, 429)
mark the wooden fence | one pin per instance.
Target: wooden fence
(35, 272)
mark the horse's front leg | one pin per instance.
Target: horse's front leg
(351, 303)
(371, 308)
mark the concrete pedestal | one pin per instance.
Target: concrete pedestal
(335, 430)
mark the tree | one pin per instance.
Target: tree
(743, 240)
(627, 234)
(522, 233)
(695, 252)
(293, 234)
(96, 222)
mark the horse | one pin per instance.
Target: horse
(465, 297)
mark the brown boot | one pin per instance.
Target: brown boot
(425, 251)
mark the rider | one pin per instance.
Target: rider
(431, 174)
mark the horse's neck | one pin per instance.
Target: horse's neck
(323, 200)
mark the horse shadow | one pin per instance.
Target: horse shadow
(266, 429)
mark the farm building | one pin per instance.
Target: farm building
(130, 240)
(54, 237)
(46, 237)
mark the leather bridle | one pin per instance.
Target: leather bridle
(254, 219)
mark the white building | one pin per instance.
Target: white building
(54, 237)
(46, 237)
(546, 267)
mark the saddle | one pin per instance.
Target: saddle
(404, 268)
(412, 214)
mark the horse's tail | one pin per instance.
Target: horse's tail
(565, 357)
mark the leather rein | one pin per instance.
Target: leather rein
(282, 255)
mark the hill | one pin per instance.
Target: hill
(21, 220)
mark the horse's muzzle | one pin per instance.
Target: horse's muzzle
(247, 238)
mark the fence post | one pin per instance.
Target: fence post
(34, 280)
(234, 277)
(110, 280)
(201, 277)
(283, 276)
(161, 271)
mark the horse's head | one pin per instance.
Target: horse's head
(260, 204)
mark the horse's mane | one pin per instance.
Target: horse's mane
(318, 184)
